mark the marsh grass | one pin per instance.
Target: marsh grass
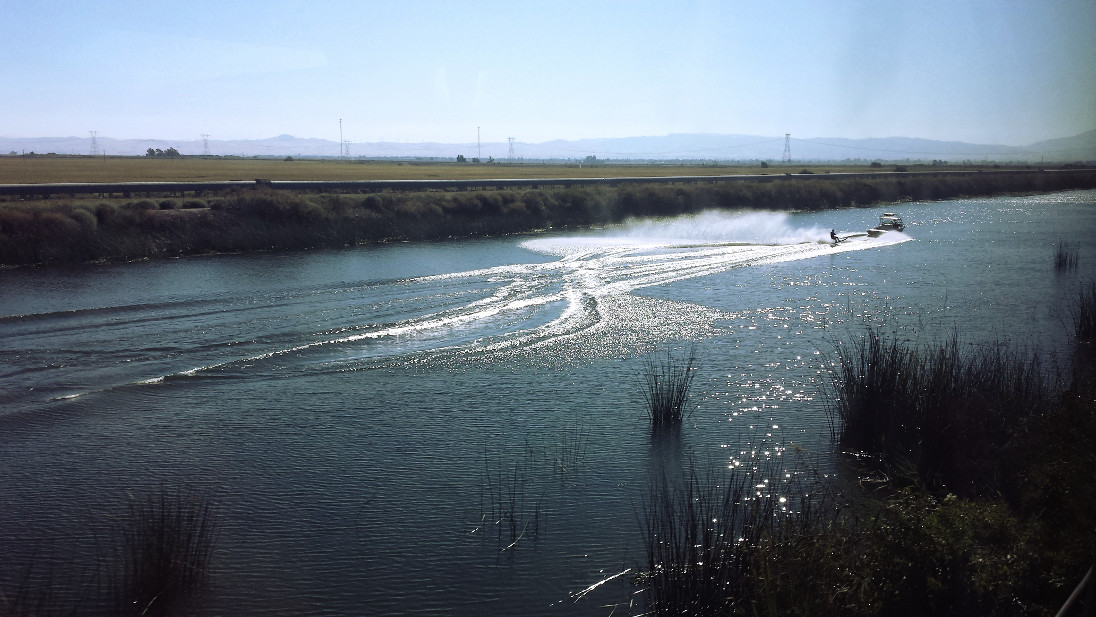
(151, 560)
(570, 450)
(710, 535)
(44, 590)
(511, 496)
(945, 415)
(165, 550)
(666, 386)
(1065, 257)
(1084, 315)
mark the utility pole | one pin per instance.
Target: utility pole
(479, 155)
(342, 144)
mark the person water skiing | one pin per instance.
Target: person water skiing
(833, 236)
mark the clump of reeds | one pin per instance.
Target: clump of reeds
(1085, 314)
(941, 414)
(696, 562)
(505, 499)
(666, 389)
(1065, 258)
(43, 590)
(707, 535)
(165, 547)
(571, 450)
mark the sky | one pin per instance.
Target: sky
(1009, 72)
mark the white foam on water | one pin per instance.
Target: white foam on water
(584, 300)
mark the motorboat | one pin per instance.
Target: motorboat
(889, 221)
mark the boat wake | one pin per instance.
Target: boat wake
(584, 302)
(582, 305)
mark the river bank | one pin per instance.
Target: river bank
(260, 218)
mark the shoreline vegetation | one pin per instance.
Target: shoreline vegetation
(259, 218)
(974, 494)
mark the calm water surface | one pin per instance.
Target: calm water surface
(357, 412)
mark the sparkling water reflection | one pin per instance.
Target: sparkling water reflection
(352, 409)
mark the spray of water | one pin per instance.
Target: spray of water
(582, 305)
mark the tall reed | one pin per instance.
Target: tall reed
(1085, 314)
(941, 414)
(709, 536)
(1065, 257)
(666, 389)
(166, 547)
(510, 497)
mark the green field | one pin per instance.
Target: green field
(45, 169)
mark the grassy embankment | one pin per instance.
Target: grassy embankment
(62, 231)
(985, 508)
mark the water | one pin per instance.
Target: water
(356, 412)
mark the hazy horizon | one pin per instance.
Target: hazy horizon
(977, 72)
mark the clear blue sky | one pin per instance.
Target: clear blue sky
(983, 71)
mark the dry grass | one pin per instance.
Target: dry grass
(38, 170)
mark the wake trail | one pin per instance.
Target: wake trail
(582, 304)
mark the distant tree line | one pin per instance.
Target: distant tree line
(156, 153)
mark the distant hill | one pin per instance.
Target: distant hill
(697, 147)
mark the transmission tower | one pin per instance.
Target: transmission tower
(205, 144)
(94, 143)
(346, 148)
(511, 140)
(342, 142)
(787, 158)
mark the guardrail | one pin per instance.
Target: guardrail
(1086, 584)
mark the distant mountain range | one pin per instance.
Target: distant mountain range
(676, 147)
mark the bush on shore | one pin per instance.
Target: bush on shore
(268, 219)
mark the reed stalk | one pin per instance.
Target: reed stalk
(940, 414)
(1065, 257)
(666, 389)
(166, 547)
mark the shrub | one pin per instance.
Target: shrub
(86, 219)
(144, 204)
(169, 204)
(106, 213)
(194, 204)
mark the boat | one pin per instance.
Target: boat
(889, 221)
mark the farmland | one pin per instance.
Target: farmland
(46, 169)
